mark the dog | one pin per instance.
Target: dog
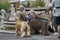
(22, 28)
(39, 24)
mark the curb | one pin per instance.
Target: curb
(5, 31)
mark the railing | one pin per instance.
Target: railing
(38, 10)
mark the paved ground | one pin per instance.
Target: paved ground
(11, 36)
(7, 36)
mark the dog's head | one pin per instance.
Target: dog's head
(22, 17)
(17, 18)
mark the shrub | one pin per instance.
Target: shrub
(39, 3)
(4, 5)
(28, 4)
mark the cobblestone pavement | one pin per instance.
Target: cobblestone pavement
(7, 36)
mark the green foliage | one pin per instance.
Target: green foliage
(28, 4)
(4, 5)
(39, 3)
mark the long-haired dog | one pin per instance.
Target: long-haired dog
(22, 27)
(39, 24)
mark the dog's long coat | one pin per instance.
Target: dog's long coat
(22, 27)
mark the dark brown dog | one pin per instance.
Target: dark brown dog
(38, 24)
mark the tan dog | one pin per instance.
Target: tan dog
(22, 28)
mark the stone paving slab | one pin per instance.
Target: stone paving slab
(6, 31)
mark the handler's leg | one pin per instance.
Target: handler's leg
(58, 29)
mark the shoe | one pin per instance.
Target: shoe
(55, 33)
(58, 36)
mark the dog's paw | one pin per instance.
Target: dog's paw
(22, 36)
(16, 34)
(28, 35)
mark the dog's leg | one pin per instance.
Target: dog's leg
(28, 33)
(17, 33)
(22, 32)
(28, 30)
